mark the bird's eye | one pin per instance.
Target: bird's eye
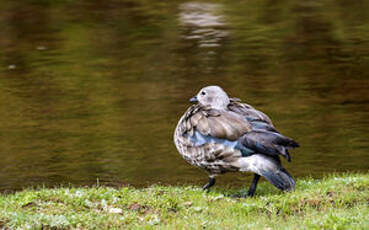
(203, 93)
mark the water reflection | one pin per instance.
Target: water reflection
(204, 32)
(93, 89)
(203, 23)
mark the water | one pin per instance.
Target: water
(93, 89)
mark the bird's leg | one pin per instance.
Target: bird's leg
(209, 184)
(253, 185)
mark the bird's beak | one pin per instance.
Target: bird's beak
(194, 100)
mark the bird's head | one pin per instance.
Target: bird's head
(212, 96)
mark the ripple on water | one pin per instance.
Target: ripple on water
(203, 23)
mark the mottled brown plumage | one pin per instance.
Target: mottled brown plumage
(219, 135)
(246, 110)
(220, 124)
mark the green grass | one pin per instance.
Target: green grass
(334, 202)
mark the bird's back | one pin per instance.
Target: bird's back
(220, 134)
(215, 155)
(215, 140)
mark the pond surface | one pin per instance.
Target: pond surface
(92, 90)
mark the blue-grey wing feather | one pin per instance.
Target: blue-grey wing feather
(199, 139)
(261, 138)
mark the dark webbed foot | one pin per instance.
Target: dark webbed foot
(209, 184)
(253, 185)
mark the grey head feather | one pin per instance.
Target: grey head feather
(213, 96)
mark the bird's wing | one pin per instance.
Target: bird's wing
(245, 129)
(213, 136)
(264, 137)
(249, 112)
(225, 125)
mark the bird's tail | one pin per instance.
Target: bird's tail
(268, 167)
(279, 178)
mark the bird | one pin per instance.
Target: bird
(220, 134)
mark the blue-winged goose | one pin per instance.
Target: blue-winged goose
(222, 134)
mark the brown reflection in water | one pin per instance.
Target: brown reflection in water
(204, 32)
(102, 98)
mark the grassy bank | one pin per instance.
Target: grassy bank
(335, 202)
